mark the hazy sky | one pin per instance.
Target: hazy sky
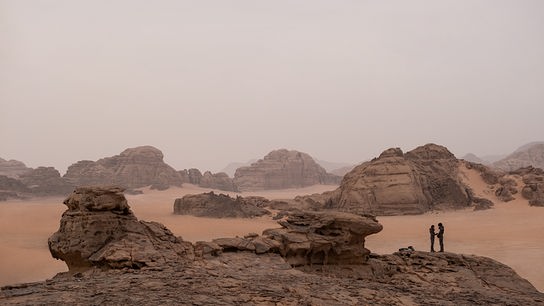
(211, 82)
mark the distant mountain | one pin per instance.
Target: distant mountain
(330, 166)
(531, 154)
(343, 170)
(473, 158)
(230, 169)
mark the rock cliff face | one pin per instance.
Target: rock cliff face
(133, 168)
(100, 230)
(281, 169)
(528, 155)
(218, 206)
(423, 179)
(219, 181)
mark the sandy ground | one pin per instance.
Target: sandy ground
(510, 233)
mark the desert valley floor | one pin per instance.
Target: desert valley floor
(510, 232)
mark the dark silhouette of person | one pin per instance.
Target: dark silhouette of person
(440, 236)
(432, 233)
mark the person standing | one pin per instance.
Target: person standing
(440, 236)
(432, 234)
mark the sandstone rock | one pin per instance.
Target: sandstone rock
(282, 169)
(533, 190)
(423, 179)
(11, 188)
(12, 168)
(133, 168)
(308, 238)
(45, 181)
(206, 249)
(528, 155)
(99, 230)
(217, 206)
(219, 181)
(191, 176)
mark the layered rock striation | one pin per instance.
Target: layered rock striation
(281, 169)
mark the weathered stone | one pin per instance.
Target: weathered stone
(12, 168)
(217, 206)
(281, 169)
(219, 181)
(423, 179)
(99, 229)
(133, 168)
(46, 181)
(324, 238)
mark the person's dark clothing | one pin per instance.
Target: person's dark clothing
(440, 236)
(432, 234)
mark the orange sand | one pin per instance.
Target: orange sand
(510, 233)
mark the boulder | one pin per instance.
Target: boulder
(308, 238)
(281, 169)
(133, 168)
(218, 206)
(533, 190)
(395, 183)
(100, 230)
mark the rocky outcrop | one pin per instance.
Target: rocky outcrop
(219, 206)
(45, 181)
(423, 179)
(116, 259)
(308, 238)
(281, 169)
(191, 176)
(533, 190)
(100, 230)
(219, 181)
(529, 155)
(12, 168)
(11, 188)
(245, 278)
(133, 168)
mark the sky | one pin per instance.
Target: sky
(214, 82)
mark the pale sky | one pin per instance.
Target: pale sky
(212, 82)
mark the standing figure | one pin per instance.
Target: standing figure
(432, 234)
(441, 236)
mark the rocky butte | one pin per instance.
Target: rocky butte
(315, 258)
(281, 169)
(133, 168)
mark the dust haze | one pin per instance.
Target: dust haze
(214, 82)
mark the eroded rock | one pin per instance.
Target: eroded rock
(218, 206)
(100, 230)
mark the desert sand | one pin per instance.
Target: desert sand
(510, 233)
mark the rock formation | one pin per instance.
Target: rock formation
(533, 190)
(423, 179)
(11, 188)
(324, 238)
(281, 169)
(100, 230)
(219, 181)
(191, 176)
(529, 155)
(12, 168)
(218, 206)
(45, 181)
(116, 259)
(133, 168)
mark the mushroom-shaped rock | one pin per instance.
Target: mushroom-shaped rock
(100, 230)
(324, 237)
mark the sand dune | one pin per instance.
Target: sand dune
(510, 233)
